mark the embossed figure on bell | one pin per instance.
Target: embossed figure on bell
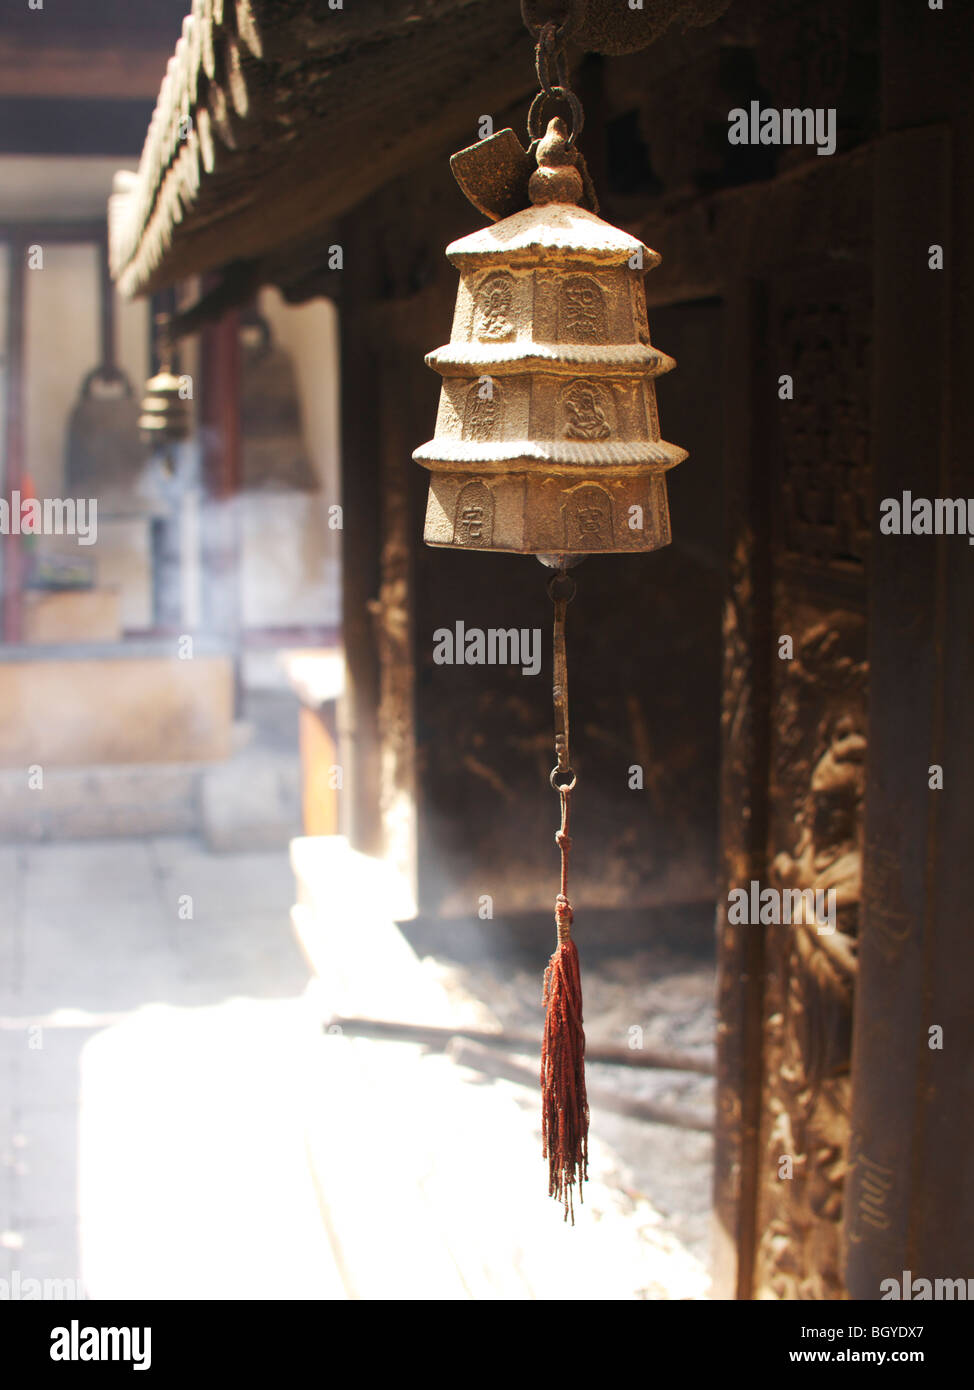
(547, 436)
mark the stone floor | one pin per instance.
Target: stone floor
(168, 1103)
(152, 1035)
(653, 997)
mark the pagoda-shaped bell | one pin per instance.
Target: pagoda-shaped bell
(165, 417)
(547, 436)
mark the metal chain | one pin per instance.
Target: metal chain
(551, 65)
(561, 589)
(569, 15)
(549, 56)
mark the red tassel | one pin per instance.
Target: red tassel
(564, 1118)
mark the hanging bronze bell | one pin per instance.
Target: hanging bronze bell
(547, 436)
(274, 457)
(104, 452)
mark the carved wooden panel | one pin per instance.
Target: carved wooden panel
(822, 335)
(794, 755)
(817, 788)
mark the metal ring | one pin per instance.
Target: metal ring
(566, 27)
(566, 583)
(562, 772)
(566, 95)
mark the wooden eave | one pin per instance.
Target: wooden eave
(277, 116)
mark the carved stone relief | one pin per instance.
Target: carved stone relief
(588, 411)
(588, 516)
(581, 311)
(482, 414)
(473, 520)
(493, 322)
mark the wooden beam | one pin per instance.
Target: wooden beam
(491, 1063)
(295, 143)
(430, 1035)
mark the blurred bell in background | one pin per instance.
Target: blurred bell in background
(273, 453)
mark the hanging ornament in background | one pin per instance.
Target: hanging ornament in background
(166, 423)
(165, 417)
(547, 442)
(104, 453)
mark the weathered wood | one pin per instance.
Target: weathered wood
(360, 500)
(756, 229)
(219, 108)
(247, 28)
(471, 1054)
(906, 1206)
(203, 10)
(944, 1235)
(745, 761)
(310, 122)
(722, 244)
(654, 1058)
(237, 80)
(204, 130)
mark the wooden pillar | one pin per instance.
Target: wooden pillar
(743, 790)
(220, 366)
(358, 729)
(404, 396)
(910, 1203)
